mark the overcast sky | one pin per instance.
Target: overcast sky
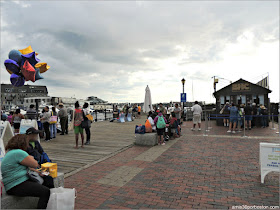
(114, 49)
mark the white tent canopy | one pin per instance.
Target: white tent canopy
(148, 101)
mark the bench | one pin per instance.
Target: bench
(147, 139)
(15, 202)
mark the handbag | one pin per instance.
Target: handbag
(140, 129)
(90, 117)
(86, 124)
(62, 198)
(34, 176)
(53, 119)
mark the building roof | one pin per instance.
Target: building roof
(242, 81)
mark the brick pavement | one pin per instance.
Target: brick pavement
(196, 172)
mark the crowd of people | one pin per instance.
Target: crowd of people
(49, 118)
(236, 115)
(167, 125)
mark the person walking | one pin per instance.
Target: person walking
(53, 123)
(78, 118)
(233, 118)
(63, 117)
(46, 122)
(16, 119)
(87, 129)
(197, 111)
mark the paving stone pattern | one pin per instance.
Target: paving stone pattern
(196, 172)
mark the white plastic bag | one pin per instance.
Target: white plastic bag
(62, 198)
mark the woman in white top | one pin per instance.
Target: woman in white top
(152, 121)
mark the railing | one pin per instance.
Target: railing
(208, 116)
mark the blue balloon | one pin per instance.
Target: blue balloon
(15, 55)
(38, 74)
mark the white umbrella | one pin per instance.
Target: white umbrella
(148, 101)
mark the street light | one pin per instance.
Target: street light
(183, 83)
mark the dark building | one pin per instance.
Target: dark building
(12, 96)
(242, 92)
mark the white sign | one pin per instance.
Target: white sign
(269, 158)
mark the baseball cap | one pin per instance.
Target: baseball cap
(32, 130)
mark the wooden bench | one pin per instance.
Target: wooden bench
(147, 139)
(15, 202)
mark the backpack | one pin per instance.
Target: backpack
(44, 158)
(161, 123)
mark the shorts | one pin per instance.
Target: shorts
(196, 118)
(233, 119)
(16, 125)
(248, 117)
(78, 129)
(160, 131)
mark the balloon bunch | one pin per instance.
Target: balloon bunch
(23, 65)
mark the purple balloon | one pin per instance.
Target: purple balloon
(17, 80)
(12, 66)
(31, 57)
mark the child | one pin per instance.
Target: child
(160, 123)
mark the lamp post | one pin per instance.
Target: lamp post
(183, 83)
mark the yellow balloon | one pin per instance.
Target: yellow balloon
(42, 66)
(27, 50)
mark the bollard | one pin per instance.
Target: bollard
(105, 114)
(278, 124)
(209, 119)
(273, 122)
(206, 121)
(95, 115)
(206, 126)
(244, 135)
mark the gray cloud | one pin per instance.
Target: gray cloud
(112, 39)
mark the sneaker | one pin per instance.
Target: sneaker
(62, 134)
(229, 131)
(199, 129)
(47, 140)
(163, 143)
(87, 143)
(250, 128)
(192, 129)
(233, 131)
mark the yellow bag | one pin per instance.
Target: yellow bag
(148, 127)
(51, 168)
(90, 117)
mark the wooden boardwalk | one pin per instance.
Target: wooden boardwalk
(106, 138)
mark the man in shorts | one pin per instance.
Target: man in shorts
(197, 110)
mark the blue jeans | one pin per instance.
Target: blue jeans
(264, 121)
(53, 130)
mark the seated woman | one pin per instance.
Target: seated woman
(151, 120)
(14, 168)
